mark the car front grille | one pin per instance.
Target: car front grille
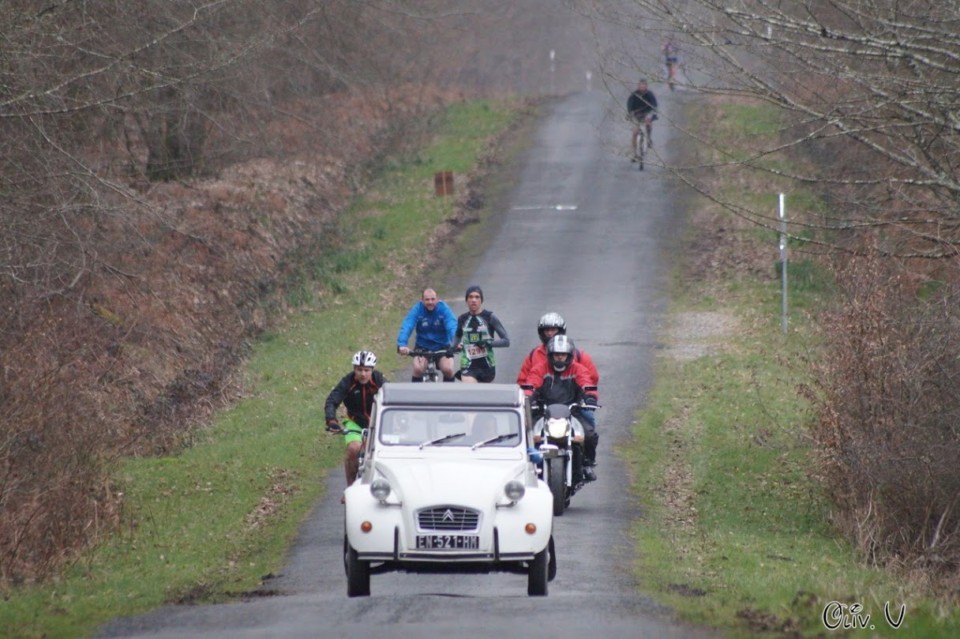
(447, 518)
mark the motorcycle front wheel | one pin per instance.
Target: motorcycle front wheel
(556, 480)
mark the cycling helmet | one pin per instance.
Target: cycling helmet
(551, 320)
(560, 344)
(364, 358)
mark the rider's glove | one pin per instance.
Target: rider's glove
(333, 426)
(590, 400)
(536, 398)
(450, 351)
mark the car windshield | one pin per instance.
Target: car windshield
(449, 428)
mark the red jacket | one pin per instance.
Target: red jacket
(561, 388)
(538, 357)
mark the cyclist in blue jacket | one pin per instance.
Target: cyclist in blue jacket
(435, 326)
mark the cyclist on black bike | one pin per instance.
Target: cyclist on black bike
(642, 109)
(435, 325)
(355, 391)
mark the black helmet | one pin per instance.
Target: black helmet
(560, 344)
(551, 320)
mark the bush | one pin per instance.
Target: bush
(889, 415)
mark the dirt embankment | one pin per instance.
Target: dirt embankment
(147, 342)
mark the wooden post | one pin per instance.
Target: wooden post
(443, 182)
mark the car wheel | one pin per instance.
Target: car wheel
(552, 564)
(538, 574)
(358, 573)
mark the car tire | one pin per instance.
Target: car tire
(552, 564)
(538, 575)
(358, 573)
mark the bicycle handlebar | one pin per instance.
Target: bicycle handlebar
(420, 352)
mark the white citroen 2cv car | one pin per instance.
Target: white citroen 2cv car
(447, 485)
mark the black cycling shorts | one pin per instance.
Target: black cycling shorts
(483, 375)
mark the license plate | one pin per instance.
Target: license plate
(448, 542)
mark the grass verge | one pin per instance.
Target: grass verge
(736, 532)
(209, 523)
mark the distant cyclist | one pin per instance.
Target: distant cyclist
(642, 109)
(671, 58)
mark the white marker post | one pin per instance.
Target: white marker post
(553, 56)
(783, 265)
(589, 81)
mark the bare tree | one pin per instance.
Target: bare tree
(164, 164)
(865, 95)
(867, 90)
(103, 106)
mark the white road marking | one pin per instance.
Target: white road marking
(544, 207)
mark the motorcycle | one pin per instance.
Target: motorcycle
(559, 439)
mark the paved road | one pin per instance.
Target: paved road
(582, 233)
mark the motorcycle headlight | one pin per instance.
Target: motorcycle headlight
(557, 427)
(514, 490)
(380, 489)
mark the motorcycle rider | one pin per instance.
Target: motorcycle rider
(563, 380)
(551, 324)
(435, 325)
(355, 391)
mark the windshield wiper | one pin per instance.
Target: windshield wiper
(493, 440)
(443, 439)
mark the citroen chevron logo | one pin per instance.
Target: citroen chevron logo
(448, 515)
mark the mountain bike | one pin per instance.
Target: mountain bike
(641, 147)
(432, 373)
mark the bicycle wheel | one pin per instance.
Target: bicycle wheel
(641, 148)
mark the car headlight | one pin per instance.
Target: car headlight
(557, 427)
(514, 490)
(380, 489)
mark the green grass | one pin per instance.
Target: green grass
(741, 540)
(751, 550)
(212, 521)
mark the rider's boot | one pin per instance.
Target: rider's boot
(589, 474)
